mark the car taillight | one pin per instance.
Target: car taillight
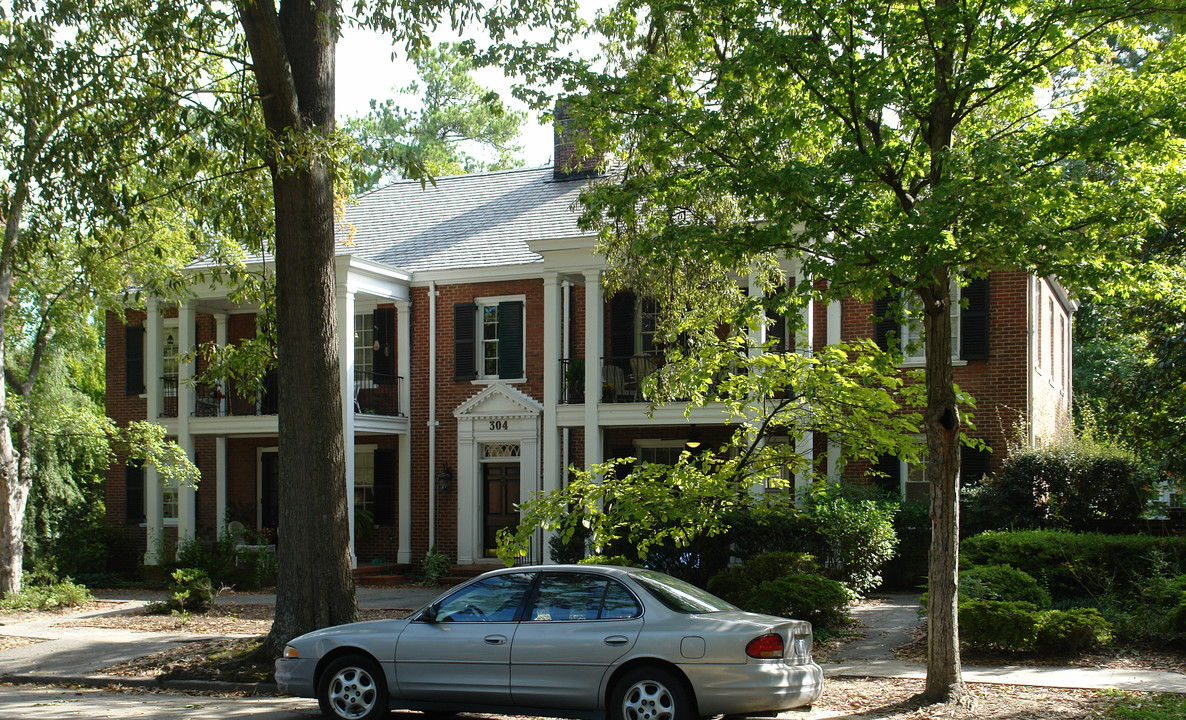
(765, 647)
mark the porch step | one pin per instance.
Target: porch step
(404, 574)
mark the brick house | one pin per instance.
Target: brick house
(467, 312)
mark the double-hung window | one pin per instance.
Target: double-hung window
(968, 314)
(488, 339)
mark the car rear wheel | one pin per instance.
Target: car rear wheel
(650, 693)
(353, 688)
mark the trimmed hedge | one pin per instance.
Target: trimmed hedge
(1002, 582)
(1001, 625)
(1073, 565)
(802, 596)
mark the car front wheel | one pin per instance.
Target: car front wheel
(650, 693)
(353, 688)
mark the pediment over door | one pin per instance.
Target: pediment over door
(498, 401)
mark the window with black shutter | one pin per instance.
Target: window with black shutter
(134, 492)
(889, 475)
(384, 507)
(510, 340)
(134, 358)
(384, 358)
(621, 329)
(885, 325)
(465, 365)
(974, 320)
(974, 465)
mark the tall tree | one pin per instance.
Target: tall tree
(91, 96)
(455, 113)
(292, 56)
(897, 150)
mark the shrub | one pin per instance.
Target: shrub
(737, 584)
(227, 563)
(1073, 565)
(906, 571)
(998, 624)
(36, 594)
(619, 560)
(1084, 481)
(435, 566)
(191, 590)
(803, 596)
(1071, 631)
(1002, 582)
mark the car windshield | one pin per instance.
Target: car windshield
(678, 595)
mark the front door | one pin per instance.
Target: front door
(500, 483)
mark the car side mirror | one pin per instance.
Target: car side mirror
(429, 614)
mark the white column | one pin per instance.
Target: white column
(552, 351)
(835, 323)
(187, 499)
(346, 381)
(757, 338)
(403, 357)
(220, 337)
(153, 510)
(553, 347)
(804, 339)
(594, 338)
(467, 481)
(403, 329)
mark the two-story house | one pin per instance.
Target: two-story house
(480, 357)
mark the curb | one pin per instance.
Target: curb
(104, 681)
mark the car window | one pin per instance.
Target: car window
(678, 595)
(581, 596)
(495, 599)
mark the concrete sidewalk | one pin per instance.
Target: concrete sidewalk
(78, 655)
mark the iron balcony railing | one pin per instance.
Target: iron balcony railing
(377, 393)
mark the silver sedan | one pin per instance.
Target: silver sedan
(582, 641)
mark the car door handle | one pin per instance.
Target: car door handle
(496, 639)
(617, 640)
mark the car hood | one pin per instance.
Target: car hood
(358, 629)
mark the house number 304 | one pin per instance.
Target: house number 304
(498, 425)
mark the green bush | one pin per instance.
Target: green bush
(37, 594)
(848, 529)
(227, 563)
(191, 590)
(619, 560)
(737, 584)
(998, 624)
(803, 596)
(1002, 582)
(1081, 482)
(1075, 565)
(434, 567)
(1071, 631)
(906, 571)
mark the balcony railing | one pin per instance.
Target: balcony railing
(621, 379)
(211, 401)
(377, 393)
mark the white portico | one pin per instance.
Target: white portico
(498, 466)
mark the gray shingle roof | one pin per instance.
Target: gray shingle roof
(466, 221)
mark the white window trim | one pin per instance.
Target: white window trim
(954, 316)
(170, 325)
(360, 450)
(359, 319)
(482, 302)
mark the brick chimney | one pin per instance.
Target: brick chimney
(568, 163)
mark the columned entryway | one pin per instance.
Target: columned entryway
(498, 466)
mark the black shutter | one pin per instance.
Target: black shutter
(510, 340)
(974, 321)
(134, 492)
(384, 507)
(884, 325)
(621, 329)
(134, 358)
(890, 477)
(776, 331)
(384, 363)
(465, 351)
(974, 465)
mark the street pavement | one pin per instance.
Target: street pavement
(72, 660)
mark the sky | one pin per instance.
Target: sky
(365, 70)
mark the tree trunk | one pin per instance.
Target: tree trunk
(293, 60)
(945, 682)
(14, 491)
